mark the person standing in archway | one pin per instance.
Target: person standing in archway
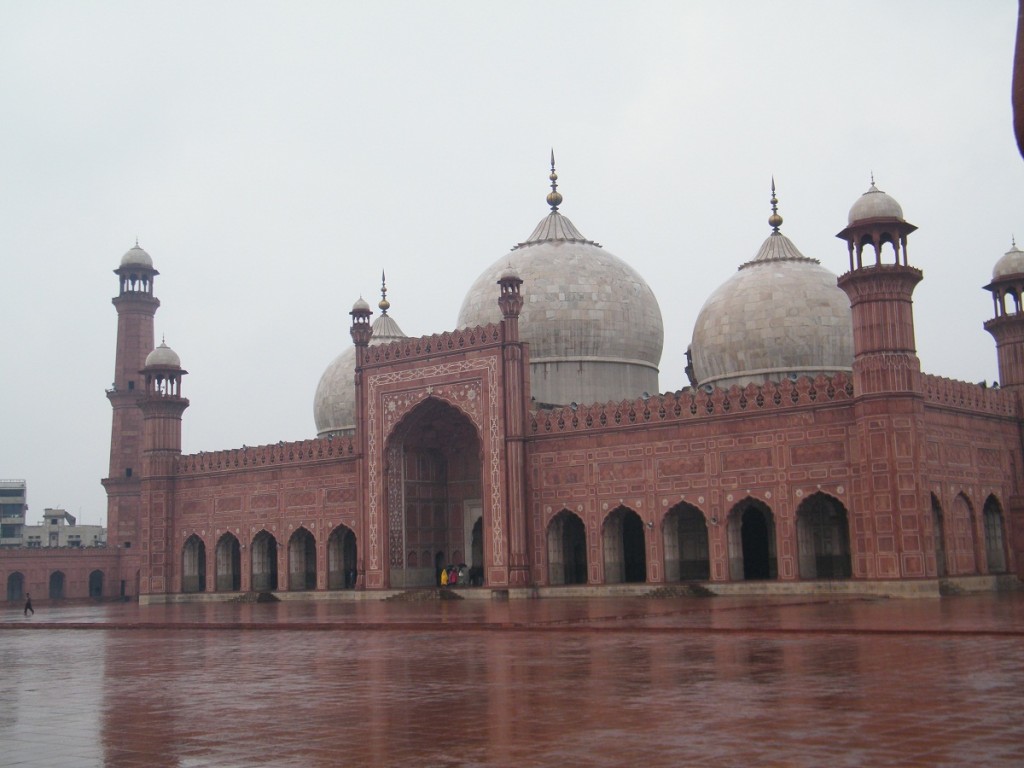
(28, 605)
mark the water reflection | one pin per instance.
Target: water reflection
(603, 683)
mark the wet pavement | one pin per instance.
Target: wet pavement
(717, 681)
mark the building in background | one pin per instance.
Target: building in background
(60, 529)
(13, 507)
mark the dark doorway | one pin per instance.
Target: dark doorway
(264, 562)
(341, 559)
(56, 585)
(96, 585)
(229, 564)
(757, 534)
(193, 565)
(625, 557)
(302, 561)
(15, 587)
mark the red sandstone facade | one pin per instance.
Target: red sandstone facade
(887, 480)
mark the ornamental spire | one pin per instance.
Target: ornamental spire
(775, 220)
(384, 305)
(554, 197)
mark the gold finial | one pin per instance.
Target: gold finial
(554, 197)
(1013, 241)
(163, 339)
(774, 221)
(136, 241)
(384, 305)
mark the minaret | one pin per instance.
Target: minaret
(515, 359)
(889, 515)
(1007, 327)
(884, 352)
(136, 306)
(161, 406)
(361, 331)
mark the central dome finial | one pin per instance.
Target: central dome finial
(554, 197)
(384, 305)
(775, 220)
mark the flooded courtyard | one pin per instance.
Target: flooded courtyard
(600, 682)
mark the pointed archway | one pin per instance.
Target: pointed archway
(685, 535)
(96, 584)
(15, 586)
(567, 549)
(341, 559)
(301, 561)
(434, 491)
(264, 562)
(995, 546)
(625, 554)
(228, 564)
(823, 538)
(193, 565)
(56, 590)
(752, 554)
(938, 537)
(964, 560)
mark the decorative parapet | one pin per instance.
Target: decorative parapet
(961, 395)
(429, 346)
(690, 404)
(266, 455)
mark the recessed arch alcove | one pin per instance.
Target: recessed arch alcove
(434, 491)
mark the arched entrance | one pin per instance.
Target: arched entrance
(301, 561)
(15, 587)
(193, 565)
(685, 535)
(938, 537)
(229, 564)
(96, 584)
(56, 591)
(264, 562)
(625, 556)
(823, 538)
(434, 490)
(995, 547)
(962, 523)
(341, 559)
(752, 542)
(567, 549)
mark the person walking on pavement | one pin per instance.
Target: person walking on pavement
(28, 605)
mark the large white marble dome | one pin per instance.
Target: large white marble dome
(781, 315)
(593, 324)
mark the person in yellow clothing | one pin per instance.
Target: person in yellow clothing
(444, 577)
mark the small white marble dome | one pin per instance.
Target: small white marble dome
(163, 357)
(136, 257)
(1012, 263)
(361, 305)
(334, 405)
(780, 316)
(875, 204)
(593, 324)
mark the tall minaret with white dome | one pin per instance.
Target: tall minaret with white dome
(136, 307)
(1007, 327)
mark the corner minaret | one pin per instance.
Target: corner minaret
(161, 406)
(890, 515)
(1007, 327)
(884, 351)
(136, 307)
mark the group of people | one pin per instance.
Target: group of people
(451, 575)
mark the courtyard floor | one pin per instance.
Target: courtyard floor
(722, 681)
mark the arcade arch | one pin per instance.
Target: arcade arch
(567, 549)
(752, 548)
(264, 562)
(15, 586)
(939, 537)
(434, 485)
(341, 559)
(685, 533)
(823, 538)
(995, 546)
(193, 565)
(625, 554)
(96, 584)
(228, 565)
(301, 561)
(56, 587)
(964, 560)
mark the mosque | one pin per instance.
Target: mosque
(532, 449)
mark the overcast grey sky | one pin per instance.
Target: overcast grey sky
(273, 157)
